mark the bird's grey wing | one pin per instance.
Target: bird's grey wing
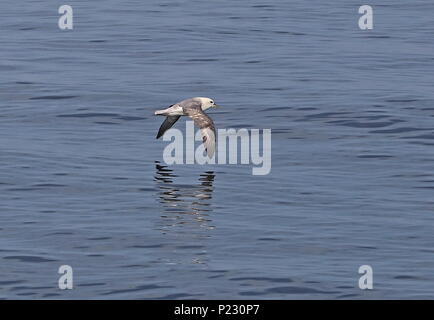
(191, 103)
(208, 138)
(167, 124)
(207, 129)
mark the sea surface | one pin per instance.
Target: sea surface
(83, 181)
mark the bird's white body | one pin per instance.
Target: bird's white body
(177, 110)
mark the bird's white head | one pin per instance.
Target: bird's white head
(207, 103)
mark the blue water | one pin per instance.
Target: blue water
(83, 182)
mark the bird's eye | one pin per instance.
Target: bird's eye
(212, 102)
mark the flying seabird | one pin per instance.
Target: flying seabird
(194, 108)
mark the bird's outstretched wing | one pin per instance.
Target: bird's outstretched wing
(208, 138)
(207, 129)
(167, 124)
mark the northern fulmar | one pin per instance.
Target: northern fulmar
(194, 108)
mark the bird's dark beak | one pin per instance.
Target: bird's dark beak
(217, 106)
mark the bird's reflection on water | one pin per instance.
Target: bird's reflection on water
(187, 205)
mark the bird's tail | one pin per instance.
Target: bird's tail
(160, 112)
